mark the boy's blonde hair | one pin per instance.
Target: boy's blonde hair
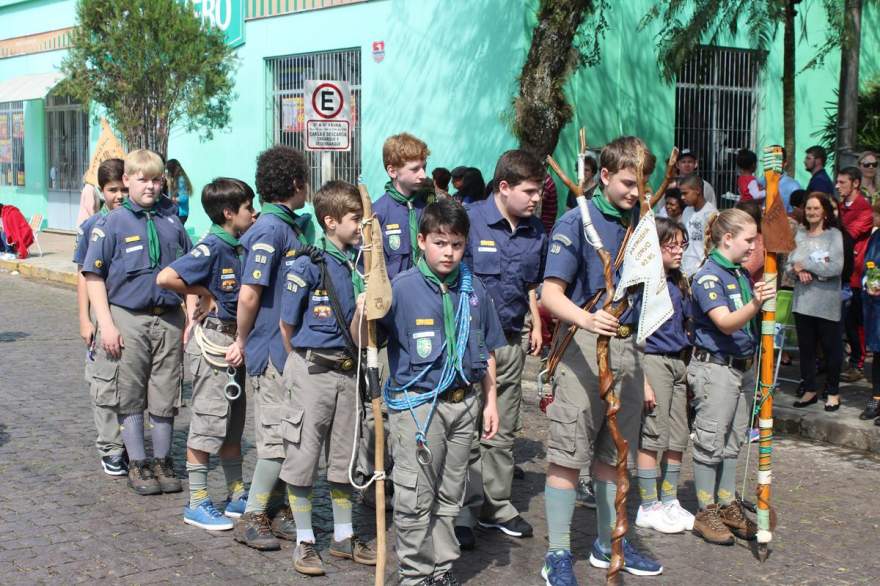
(623, 153)
(336, 199)
(402, 148)
(144, 161)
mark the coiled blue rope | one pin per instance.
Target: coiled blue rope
(410, 400)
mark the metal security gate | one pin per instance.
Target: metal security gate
(67, 128)
(715, 107)
(288, 76)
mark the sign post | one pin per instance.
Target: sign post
(327, 120)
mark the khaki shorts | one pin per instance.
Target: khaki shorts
(722, 401)
(578, 431)
(215, 420)
(270, 398)
(665, 427)
(148, 375)
(320, 411)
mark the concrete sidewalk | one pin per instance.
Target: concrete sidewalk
(56, 263)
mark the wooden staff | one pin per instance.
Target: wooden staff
(667, 178)
(378, 302)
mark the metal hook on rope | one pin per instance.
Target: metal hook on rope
(232, 390)
(423, 453)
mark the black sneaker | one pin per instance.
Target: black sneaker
(872, 410)
(447, 579)
(164, 471)
(465, 537)
(516, 527)
(114, 465)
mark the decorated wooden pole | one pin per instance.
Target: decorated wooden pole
(378, 302)
(778, 238)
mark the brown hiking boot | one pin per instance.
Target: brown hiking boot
(306, 560)
(354, 549)
(709, 526)
(141, 478)
(164, 471)
(283, 525)
(732, 515)
(252, 529)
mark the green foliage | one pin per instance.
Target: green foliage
(153, 65)
(868, 131)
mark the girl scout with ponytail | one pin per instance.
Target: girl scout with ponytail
(721, 373)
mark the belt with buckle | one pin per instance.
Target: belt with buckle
(740, 363)
(680, 355)
(455, 395)
(624, 331)
(156, 310)
(224, 327)
(345, 363)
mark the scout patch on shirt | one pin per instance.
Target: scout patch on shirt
(425, 321)
(487, 246)
(394, 241)
(201, 249)
(257, 274)
(707, 281)
(291, 252)
(296, 279)
(737, 300)
(263, 246)
(134, 248)
(261, 258)
(228, 282)
(474, 300)
(97, 233)
(322, 311)
(134, 238)
(713, 295)
(423, 347)
(227, 271)
(731, 286)
(392, 229)
(555, 248)
(99, 263)
(562, 238)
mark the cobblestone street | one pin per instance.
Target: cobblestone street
(63, 521)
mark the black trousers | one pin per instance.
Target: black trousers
(814, 331)
(853, 320)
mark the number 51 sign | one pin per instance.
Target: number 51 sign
(226, 15)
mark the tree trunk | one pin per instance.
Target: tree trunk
(848, 100)
(541, 110)
(788, 88)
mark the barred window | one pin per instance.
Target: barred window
(12, 143)
(67, 126)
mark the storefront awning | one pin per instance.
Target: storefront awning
(28, 87)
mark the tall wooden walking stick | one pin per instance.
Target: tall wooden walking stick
(378, 302)
(777, 236)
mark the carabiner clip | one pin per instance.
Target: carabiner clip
(232, 390)
(424, 455)
(540, 383)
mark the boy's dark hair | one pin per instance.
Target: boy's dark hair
(458, 172)
(752, 208)
(746, 160)
(516, 166)
(110, 170)
(441, 176)
(336, 199)
(281, 171)
(444, 215)
(473, 187)
(225, 193)
(623, 153)
(852, 172)
(693, 180)
(798, 198)
(667, 229)
(590, 163)
(818, 152)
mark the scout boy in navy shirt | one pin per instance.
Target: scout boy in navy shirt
(572, 276)
(270, 248)
(108, 442)
(506, 249)
(211, 273)
(320, 375)
(442, 332)
(140, 326)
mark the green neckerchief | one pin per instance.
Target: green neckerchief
(224, 236)
(609, 209)
(289, 218)
(330, 248)
(413, 218)
(104, 210)
(152, 236)
(741, 279)
(448, 311)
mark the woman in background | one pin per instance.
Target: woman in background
(179, 188)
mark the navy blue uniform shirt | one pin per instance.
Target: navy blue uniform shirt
(216, 266)
(270, 247)
(83, 236)
(572, 259)
(306, 306)
(714, 286)
(821, 182)
(414, 327)
(672, 335)
(508, 262)
(118, 252)
(394, 221)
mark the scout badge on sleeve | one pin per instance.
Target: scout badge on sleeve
(378, 302)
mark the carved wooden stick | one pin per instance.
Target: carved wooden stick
(561, 174)
(667, 179)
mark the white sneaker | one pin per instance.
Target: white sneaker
(656, 517)
(676, 511)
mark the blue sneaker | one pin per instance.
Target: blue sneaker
(205, 516)
(235, 508)
(633, 562)
(557, 570)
